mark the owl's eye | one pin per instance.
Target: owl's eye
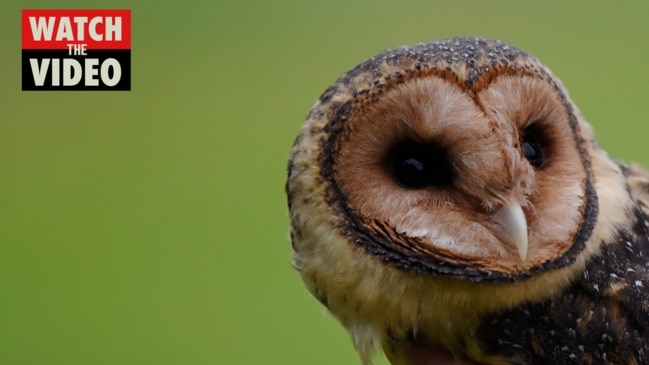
(417, 166)
(532, 151)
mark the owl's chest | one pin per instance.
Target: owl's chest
(603, 318)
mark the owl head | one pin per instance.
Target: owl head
(435, 182)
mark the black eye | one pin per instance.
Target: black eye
(532, 152)
(416, 166)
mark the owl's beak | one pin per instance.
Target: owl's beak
(512, 219)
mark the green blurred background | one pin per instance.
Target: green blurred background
(150, 226)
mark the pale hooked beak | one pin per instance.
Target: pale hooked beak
(511, 218)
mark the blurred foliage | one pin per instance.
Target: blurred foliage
(150, 226)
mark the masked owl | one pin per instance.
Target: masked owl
(449, 203)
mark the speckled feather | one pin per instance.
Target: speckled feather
(579, 298)
(602, 318)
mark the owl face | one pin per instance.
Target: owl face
(450, 174)
(469, 168)
(432, 176)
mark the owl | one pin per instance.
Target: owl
(450, 205)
